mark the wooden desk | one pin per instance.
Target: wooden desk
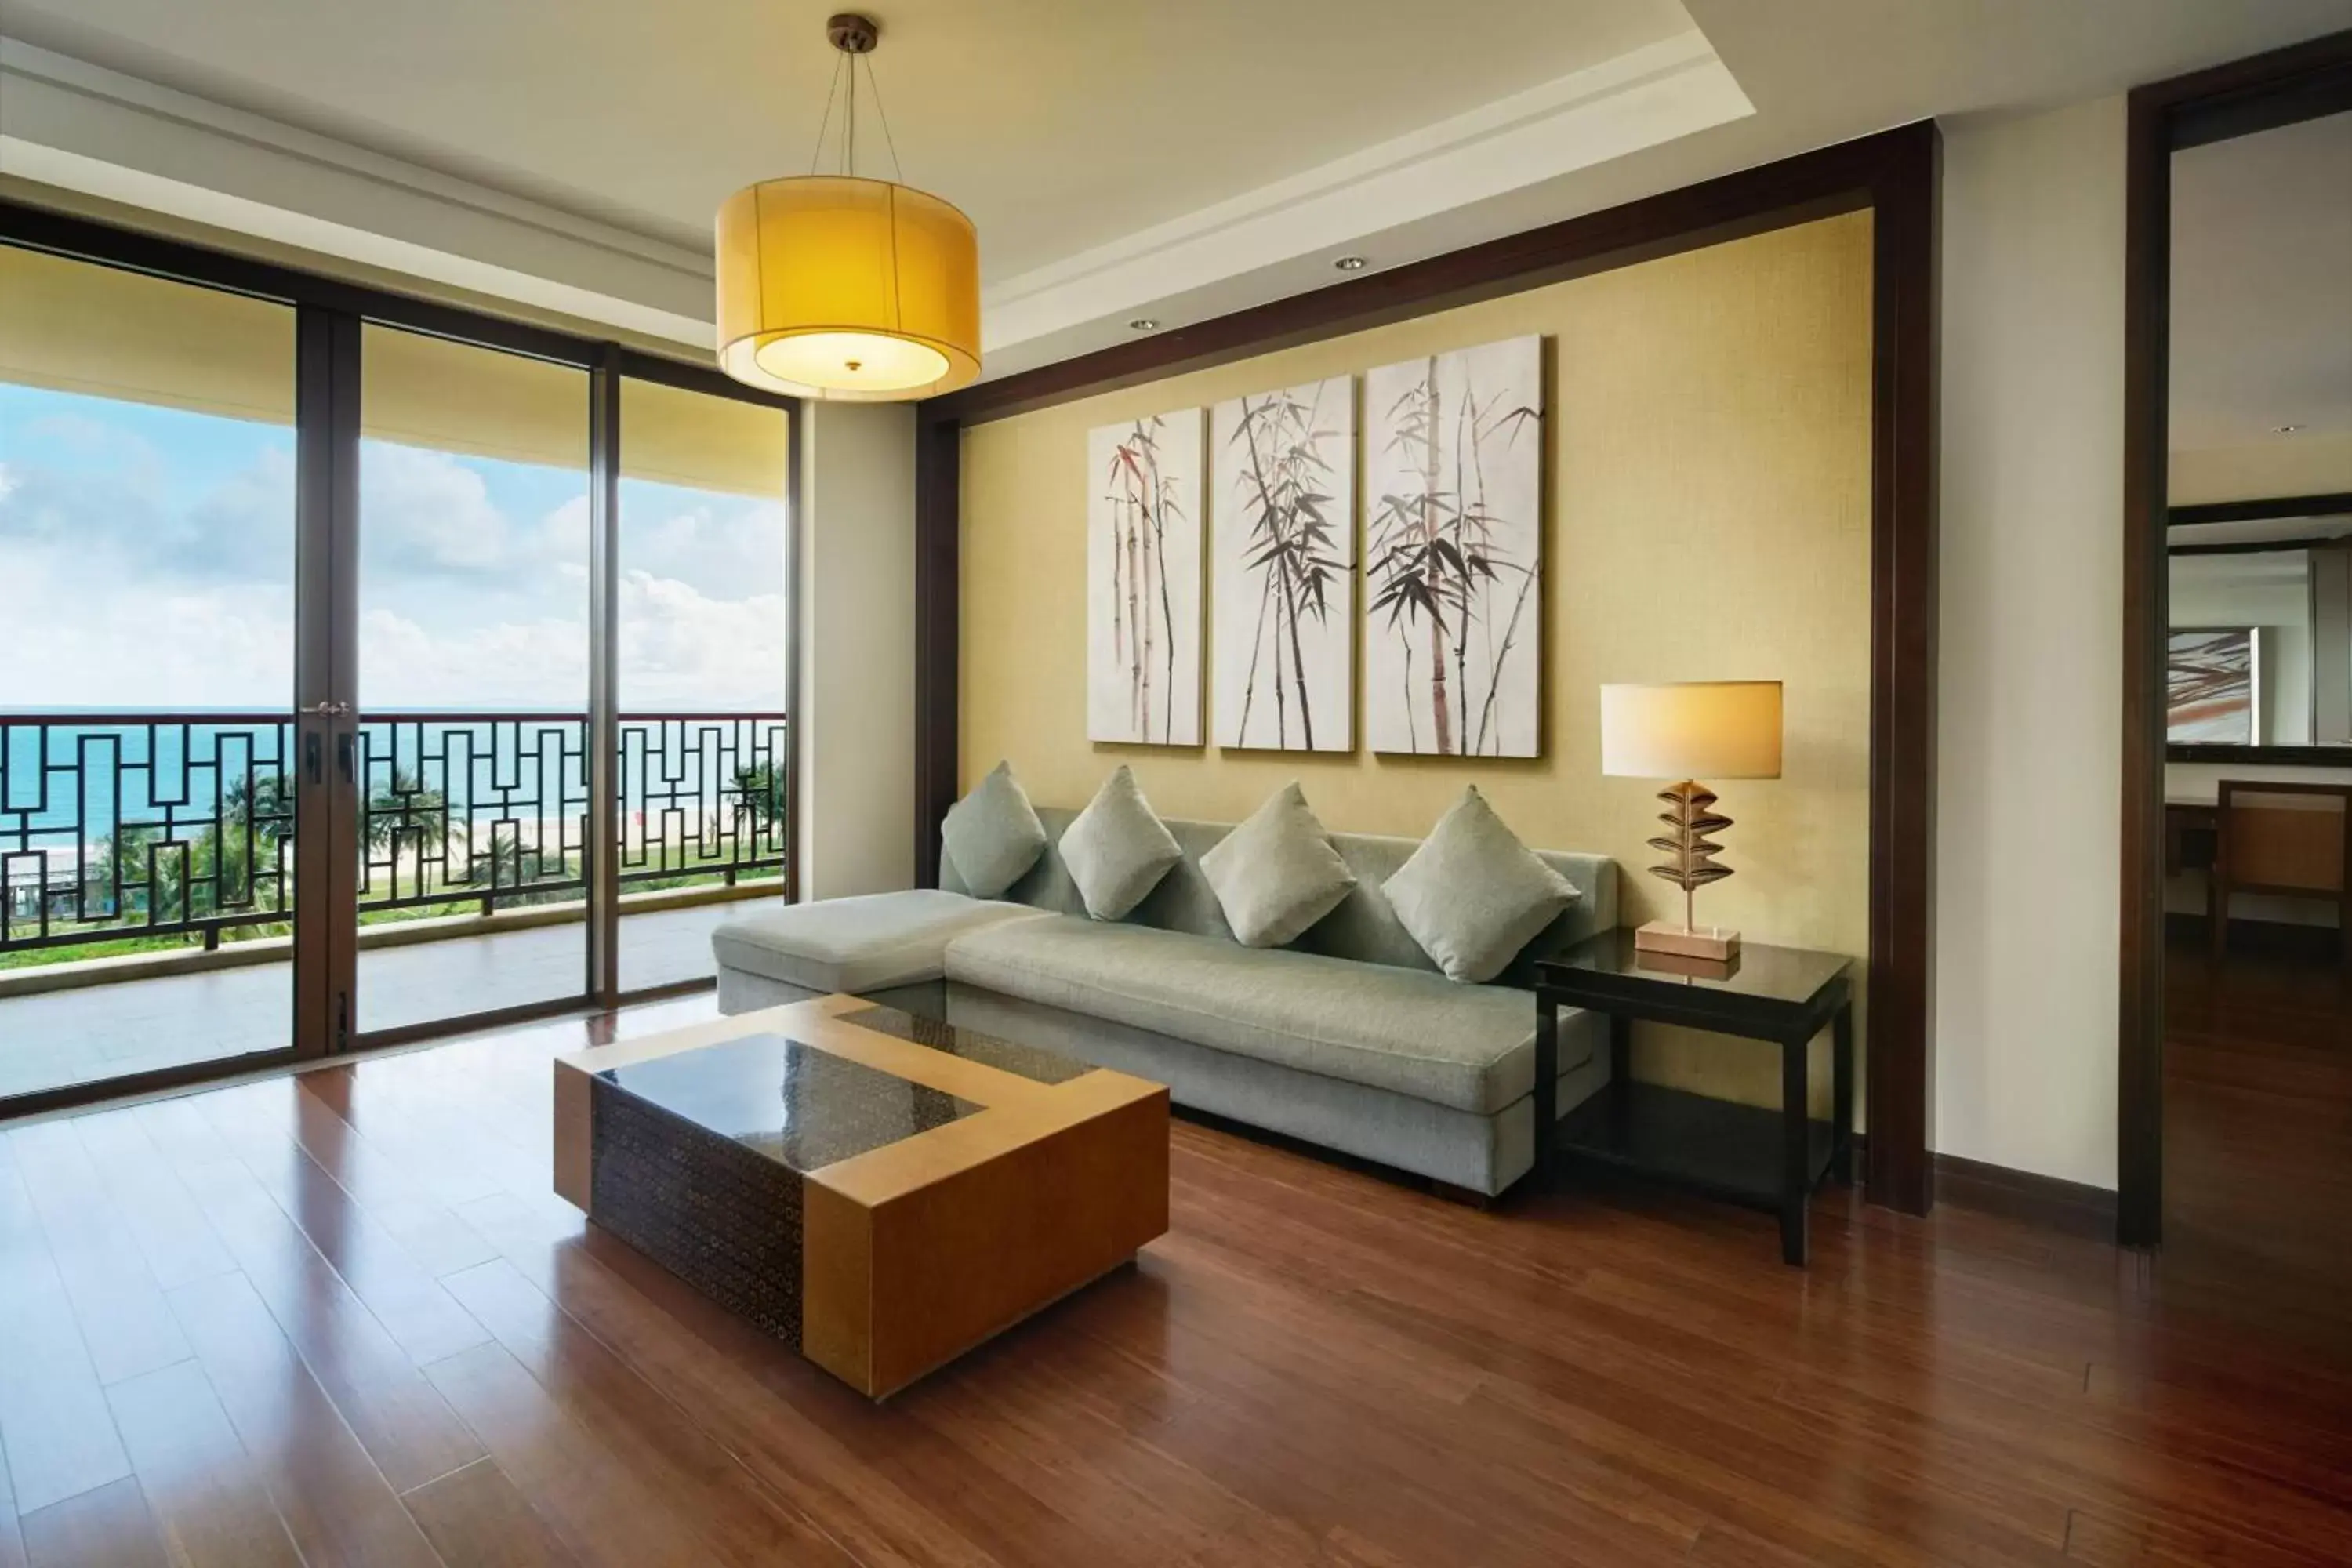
(2192, 825)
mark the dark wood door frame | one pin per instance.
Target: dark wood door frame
(1895, 175)
(2263, 92)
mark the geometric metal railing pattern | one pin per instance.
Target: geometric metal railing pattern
(115, 826)
(150, 822)
(456, 805)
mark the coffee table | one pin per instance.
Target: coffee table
(880, 1191)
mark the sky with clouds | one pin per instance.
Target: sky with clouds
(147, 561)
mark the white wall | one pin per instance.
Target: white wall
(858, 648)
(2029, 686)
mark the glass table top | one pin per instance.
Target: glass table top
(1788, 974)
(789, 1101)
(1036, 1065)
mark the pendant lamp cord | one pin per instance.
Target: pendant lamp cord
(847, 62)
(817, 153)
(888, 141)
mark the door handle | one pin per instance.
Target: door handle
(311, 754)
(326, 711)
(344, 754)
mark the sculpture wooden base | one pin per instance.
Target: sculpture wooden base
(1664, 936)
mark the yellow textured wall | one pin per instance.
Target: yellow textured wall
(1708, 517)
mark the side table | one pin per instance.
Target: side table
(1771, 1160)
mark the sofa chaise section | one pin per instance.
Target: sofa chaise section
(887, 947)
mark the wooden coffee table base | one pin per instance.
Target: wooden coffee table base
(881, 1192)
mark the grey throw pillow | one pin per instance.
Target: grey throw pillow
(1277, 874)
(1473, 895)
(992, 835)
(1118, 849)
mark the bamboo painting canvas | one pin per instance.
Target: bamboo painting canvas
(1283, 578)
(1143, 580)
(1453, 553)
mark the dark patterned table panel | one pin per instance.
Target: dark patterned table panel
(722, 1218)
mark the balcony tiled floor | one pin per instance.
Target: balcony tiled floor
(59, 1037)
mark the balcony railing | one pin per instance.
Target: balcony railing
(127, 825)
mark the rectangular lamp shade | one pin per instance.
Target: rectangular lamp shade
(1703, 730)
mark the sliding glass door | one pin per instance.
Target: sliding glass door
(704, 670)
(148, 751)
(369, 669)
(472, 764)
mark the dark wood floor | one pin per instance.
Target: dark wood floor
(341, 1319)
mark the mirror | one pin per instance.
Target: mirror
(2260, 651)
(2260, 444)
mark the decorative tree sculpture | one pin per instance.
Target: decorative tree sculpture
(1690, 816)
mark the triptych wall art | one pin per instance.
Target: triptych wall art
(1449, 610)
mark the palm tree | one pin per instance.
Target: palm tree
(760, 797)
(262, 804)
(401, 811)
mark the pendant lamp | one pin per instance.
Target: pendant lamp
(841, 287)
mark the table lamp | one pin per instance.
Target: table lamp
(1722, 729)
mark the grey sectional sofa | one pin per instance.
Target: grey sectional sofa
(1348, 1038)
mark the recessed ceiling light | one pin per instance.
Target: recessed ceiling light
(1144, 324)
(2285, 429)
(1351, 264)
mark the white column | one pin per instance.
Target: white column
(856, 641)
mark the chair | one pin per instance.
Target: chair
(2283, 840)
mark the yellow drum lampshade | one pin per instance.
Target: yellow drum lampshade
(834, 287)
(1692, 729)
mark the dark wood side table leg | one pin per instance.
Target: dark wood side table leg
(1841, 1094)
(1547, 1089)
(1795, 1148)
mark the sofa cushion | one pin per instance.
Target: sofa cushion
(1277, 874)
(1473, 895)
(1118, 849)
(855, 944)
(1408, 1031)
(992, 835)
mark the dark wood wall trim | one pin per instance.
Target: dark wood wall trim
(1894, 175)
(2338, 504)
(1901, 1084)
(2259, 93)
(1841, 178)
(2070, 1206)
(2267, 756)
(2257, 547)
(938, 586)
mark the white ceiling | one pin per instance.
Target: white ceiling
(2262, 286)
(1056, 125)
(1173, 160)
